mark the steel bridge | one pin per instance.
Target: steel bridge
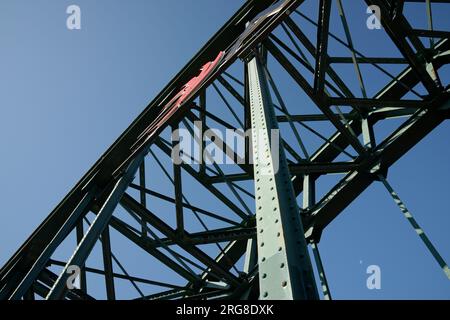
(256, 233)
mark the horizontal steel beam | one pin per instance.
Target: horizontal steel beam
(322, 168)
(376, 103)
(371, 60)
(213, 236)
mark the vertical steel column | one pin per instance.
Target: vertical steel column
(430, 21)
(367, 133)
(178, 189)
(250, 256)
(251, 260)
(309, 192)
(309, 199)
(83, 278)
(108, 264)
(285, 270)
(143, 196)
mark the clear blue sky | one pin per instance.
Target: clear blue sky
(65, 96)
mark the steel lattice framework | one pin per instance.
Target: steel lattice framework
(249, 238)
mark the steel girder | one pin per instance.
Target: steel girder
(284, 264)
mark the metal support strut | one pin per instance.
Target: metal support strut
(285, 270)
(417, 227)
(81, 253)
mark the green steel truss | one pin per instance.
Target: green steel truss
(243, 230)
